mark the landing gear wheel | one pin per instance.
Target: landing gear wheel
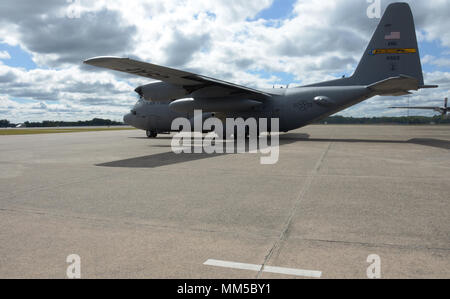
(151, 134)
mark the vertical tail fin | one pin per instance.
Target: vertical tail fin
(393, 50)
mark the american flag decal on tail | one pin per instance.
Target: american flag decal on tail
(393, 36)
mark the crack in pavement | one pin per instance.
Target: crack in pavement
(287, 225)
(367, 244)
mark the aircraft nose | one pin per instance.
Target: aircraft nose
(127, 119)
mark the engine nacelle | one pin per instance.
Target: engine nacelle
(161, 92)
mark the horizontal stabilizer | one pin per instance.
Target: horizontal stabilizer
(395, 86)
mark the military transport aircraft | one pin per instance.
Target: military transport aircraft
(389, 67)
(442, 110)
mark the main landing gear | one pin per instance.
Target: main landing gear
(151, 134)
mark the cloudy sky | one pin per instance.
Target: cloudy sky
(259, 43)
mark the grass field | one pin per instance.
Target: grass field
(56, 130)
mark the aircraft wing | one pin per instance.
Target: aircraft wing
(189, 81)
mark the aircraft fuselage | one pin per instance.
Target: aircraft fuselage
(294, 107)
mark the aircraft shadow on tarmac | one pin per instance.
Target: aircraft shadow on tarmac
(438, 143)
(170, 158)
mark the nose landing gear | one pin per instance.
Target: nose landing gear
(151, 134)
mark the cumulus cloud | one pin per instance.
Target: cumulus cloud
(4, 55)
(441, 62)
(320, 40)
(182, 47)
(57, 91)
(71, 40)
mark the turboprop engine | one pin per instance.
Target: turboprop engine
(161, 92)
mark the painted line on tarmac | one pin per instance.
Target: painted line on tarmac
(268, 269)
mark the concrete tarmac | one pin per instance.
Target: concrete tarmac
(130, 208)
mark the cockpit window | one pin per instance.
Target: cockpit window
(137, 104)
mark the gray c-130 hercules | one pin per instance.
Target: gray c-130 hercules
(389, 67)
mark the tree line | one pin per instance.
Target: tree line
(49, 124)
(402, 120)
(337, 120)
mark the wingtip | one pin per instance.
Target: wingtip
(428, 86)
(101, 58)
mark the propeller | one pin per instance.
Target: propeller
(445, 107)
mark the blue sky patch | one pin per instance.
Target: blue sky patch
(19, 57)
(280, 9)
(283, 78)
(436, 50)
